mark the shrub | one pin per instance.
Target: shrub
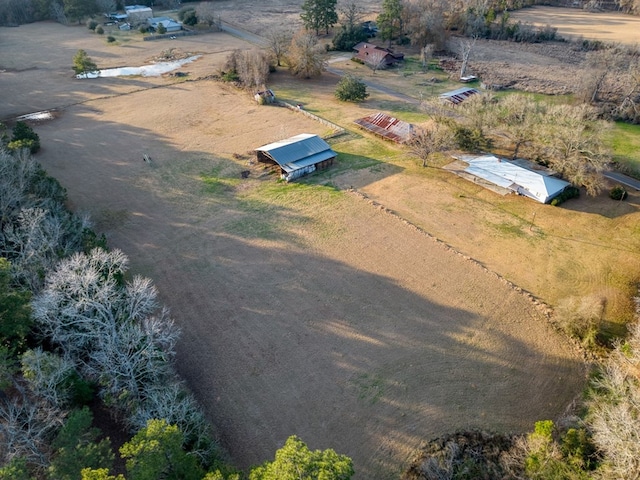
(618, 193)
(351, 89)
(188, 16)
(111, 39)
(24, 137)
(230, 76)
(162, 29)
(100, 30)
(143, 29)
(347, 38)
(567, 194)
(472, 139)
(92, 24)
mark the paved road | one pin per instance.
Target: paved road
(623, 179)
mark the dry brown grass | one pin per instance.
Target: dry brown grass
(309, 310)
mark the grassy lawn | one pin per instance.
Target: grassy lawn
(625, 142)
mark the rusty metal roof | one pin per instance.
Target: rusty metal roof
(386, 126)
(459, 95)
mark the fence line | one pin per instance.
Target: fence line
(338, 129)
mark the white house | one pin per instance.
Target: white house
(169, 24)
(539, 185)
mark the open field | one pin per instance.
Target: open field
(307, 309)
(574, 24)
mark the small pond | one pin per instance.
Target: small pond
(154, 70)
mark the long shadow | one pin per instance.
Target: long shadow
(604, 206)
(304, 312)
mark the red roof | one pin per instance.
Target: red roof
(386, 126)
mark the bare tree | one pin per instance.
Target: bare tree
(306, 58)
(519, 117)
(58, 14)
(351, 13)
(47, 375)
(629, 6)
(465, 47)
(614, 413)
(206, 13)
(426, 54)
(173, 402)
(424, 22)
(574, 145)
(430, 139)
(26, 426)
(278, 41)
(106, 6)
(602, 64)
(253, 69)
(628, 108)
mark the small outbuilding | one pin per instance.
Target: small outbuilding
(297, 156)
(539, 184)
(459, 95)
(376, 57)
(386, 126)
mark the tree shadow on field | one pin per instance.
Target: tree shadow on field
(603, 205)
(318, 316)
(299, 343)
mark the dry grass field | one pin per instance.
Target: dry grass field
(306, 308)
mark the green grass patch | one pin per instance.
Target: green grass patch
(370, 387)
(625, 143)
(216, 183)
(507, 229)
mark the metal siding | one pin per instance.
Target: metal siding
(298, 152)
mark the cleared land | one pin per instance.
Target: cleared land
(306, 309)
(576, 24)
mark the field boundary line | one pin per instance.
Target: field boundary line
(542, 307)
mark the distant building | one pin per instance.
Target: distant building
(458, 96)
(376, 57)
(169, 24)
(138, 13)
(297, 156)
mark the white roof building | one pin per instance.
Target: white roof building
(539, 185)
(169, 24)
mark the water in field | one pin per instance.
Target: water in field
(154, 70)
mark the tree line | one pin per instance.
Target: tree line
(76, 328)
(598, 442)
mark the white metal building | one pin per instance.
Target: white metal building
(539, 185)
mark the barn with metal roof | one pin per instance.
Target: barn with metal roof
(297, 156)
(386, 126)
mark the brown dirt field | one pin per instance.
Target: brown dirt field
(573, 23)
(305, 309)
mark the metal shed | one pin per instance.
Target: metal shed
(297, 156)
(386, 126)
(459, 95)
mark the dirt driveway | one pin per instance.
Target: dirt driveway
(305, 310)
